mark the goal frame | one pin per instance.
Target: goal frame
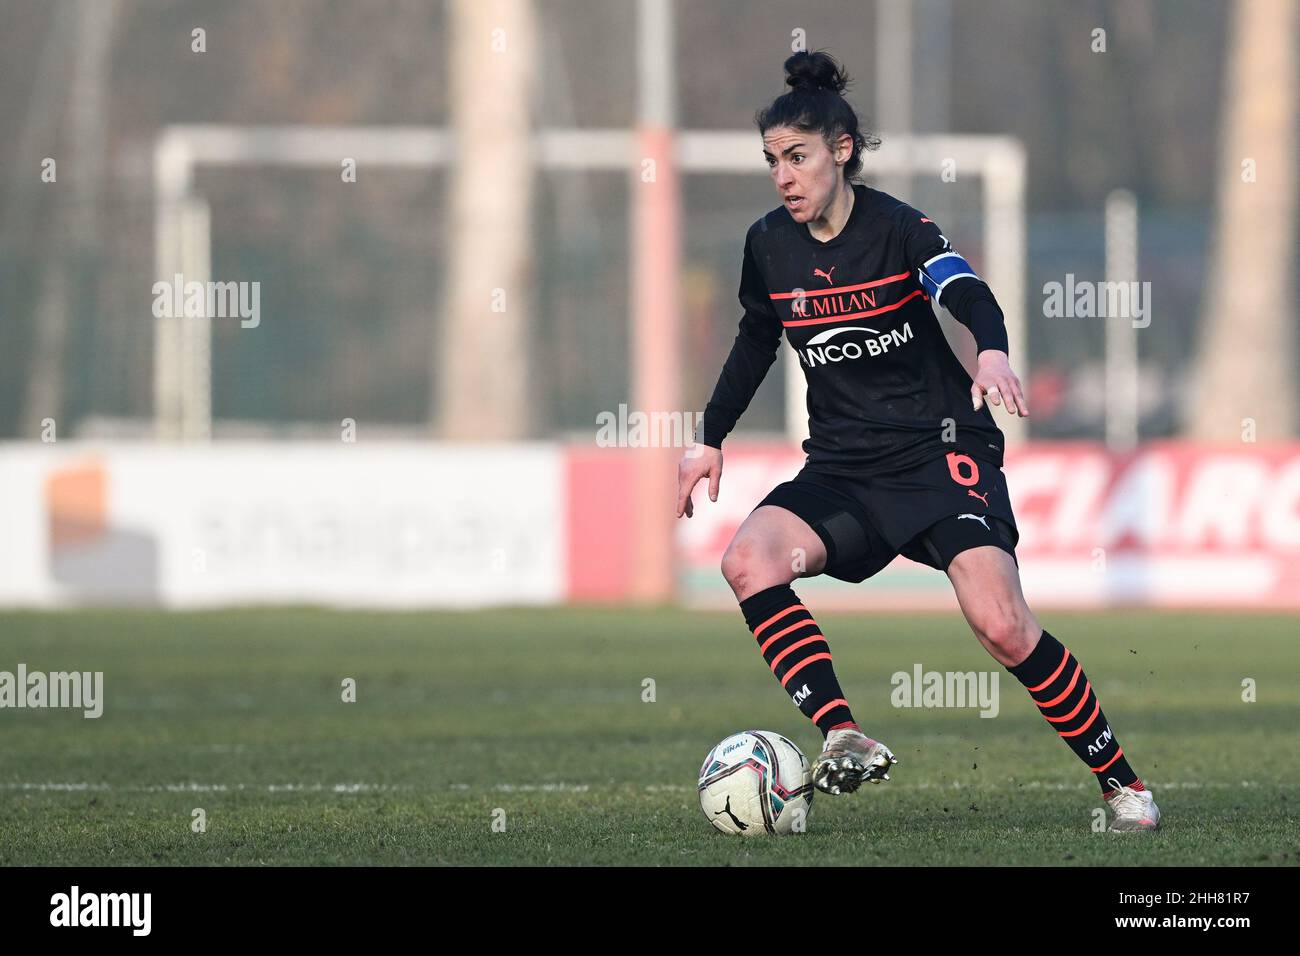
(182, 224)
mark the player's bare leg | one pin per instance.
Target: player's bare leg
(987, 584)
(767, 548)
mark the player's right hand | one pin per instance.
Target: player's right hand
(699, 461)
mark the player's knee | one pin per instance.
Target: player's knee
(737, 561)
(1008, 630)
(745, 563)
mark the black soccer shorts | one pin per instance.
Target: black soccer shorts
(929, 514)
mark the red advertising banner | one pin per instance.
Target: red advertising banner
(1169, 525)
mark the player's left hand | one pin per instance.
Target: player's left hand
(996, 379)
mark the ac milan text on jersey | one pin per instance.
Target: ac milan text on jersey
(883, 384)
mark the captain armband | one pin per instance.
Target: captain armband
(936, 273)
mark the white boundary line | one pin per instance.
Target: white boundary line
(194, 787)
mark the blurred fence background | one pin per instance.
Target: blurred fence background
(355, 277)
(1190, 105)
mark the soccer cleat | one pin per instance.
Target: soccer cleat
(848, 758)
(1135, 810)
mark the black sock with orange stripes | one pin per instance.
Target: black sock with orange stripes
(796, 651)
(1065, 697)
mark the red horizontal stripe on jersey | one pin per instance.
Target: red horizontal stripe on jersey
(854, 315)
(840, 288)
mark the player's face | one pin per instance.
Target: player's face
(804, 171)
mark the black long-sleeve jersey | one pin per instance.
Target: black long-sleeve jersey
(882, 380)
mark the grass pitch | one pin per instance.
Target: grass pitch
(535, 720)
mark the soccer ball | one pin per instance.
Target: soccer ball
(756, 782)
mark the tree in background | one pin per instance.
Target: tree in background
(1247, 351)
(481, 359)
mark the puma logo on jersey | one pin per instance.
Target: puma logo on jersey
(982, 497)
(979, 518)
(802, 694)
(825, 275)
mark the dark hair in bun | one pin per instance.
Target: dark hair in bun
(815, 71)
(814, 104)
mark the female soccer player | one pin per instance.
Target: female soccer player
(896, 462)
